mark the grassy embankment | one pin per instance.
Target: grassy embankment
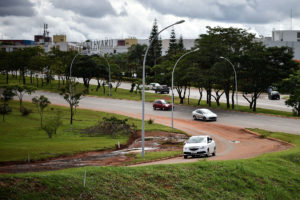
(150, 97)
(270, 176)
(22, 135)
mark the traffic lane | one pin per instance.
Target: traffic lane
(226, 117)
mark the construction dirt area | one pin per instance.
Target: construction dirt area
(232, 143)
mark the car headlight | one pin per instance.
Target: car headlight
(202, 147)
(185, 148)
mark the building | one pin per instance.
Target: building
(11, 45)
(59, 38)
(113, 46)
(288, 38)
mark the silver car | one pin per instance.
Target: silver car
(204, 114)
(199, 145)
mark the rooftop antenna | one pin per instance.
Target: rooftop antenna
(291, 18)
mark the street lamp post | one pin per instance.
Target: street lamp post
(235, 77)
(143, 94)
(173, 82)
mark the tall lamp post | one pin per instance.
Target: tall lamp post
(143, 94)
(173, 81)
(235, 77)
(109, 93)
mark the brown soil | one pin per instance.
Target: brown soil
(232, 143)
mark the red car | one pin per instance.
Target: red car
(162, 104)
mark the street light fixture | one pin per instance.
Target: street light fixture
(235, 77)
(173, 81)
(143, 94)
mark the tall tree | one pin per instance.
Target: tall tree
(155, 49)
(173, 46)
(180, 46)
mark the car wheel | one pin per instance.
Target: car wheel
(163, 108)
(214, 153)
(194, 116)
(204, 118)
(185, 156)
(207, 153)
(154, 108)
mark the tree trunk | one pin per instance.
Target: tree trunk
(232, 99)
(189, 95)
(23, 76)
(199, 100)
(227, 97)
(71, 118)
(6, 77)
(98, 85)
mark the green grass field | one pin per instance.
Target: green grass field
(150, 97)
(269, 176)
(22, 135)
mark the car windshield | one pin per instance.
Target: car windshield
(206, 111)
(164, 102)
(196, 140)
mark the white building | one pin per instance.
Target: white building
(288, 38)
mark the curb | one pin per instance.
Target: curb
(269, 138)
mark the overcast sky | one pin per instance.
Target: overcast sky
(117, 19)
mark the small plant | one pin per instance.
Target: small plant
(25, 111)
(150, 121)
(52, 124)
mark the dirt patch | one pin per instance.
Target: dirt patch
(115, 157)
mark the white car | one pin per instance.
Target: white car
(154, 86)
(204, 114)
(198, 146)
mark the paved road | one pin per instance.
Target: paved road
(262, 102)
(245, 120)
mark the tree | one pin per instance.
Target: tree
(180, 46)
(52, 124)
(173, 46)
(135, 57)
(72, 97)
(41, 103)
(261, 67)
(292, 86)
(227, 42)
(154, 52)
(5, 97)
(86, 68)
(20, 90)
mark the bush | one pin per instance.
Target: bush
(111, 126)
(150, 121)
(25, 111)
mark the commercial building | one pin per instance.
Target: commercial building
(288, 38)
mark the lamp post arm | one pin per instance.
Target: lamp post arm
(173, 82)
(235, 79)
(143, 92)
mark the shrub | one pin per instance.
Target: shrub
(25, 111)
(111, 126)
(150, 121)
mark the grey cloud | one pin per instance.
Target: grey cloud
(16, 8)
(89, 8)
(236, 11)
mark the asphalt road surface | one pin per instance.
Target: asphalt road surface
(244, 120)
(262, 101)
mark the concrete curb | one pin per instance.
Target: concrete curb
(269, 138)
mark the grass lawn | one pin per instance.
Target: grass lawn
(22, 135)
(150, 97)
(269, 176)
